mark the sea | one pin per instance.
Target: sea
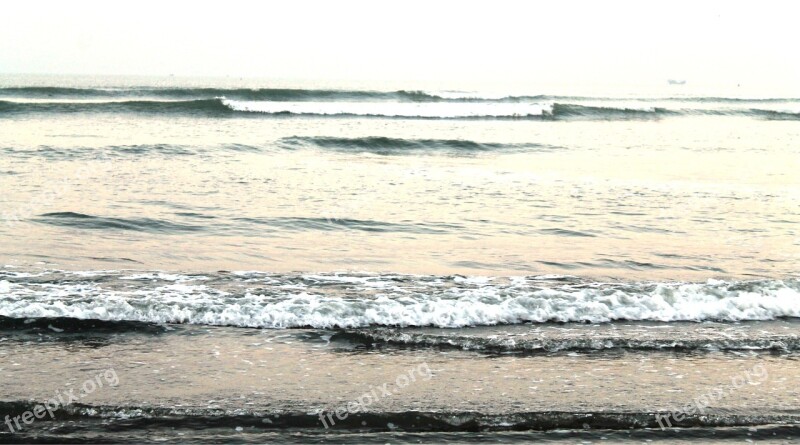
(237, 260)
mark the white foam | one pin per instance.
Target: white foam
(473, 280)
(88, 273)
(394, 109)
(325, 301)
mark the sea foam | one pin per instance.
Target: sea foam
(342, 300)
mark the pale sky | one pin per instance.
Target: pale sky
(710, 41)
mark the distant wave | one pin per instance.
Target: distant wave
(390, 146)
(540, 110)
(607, 112)
(497, 110)
(776, 115)
(82, 221)
(114, 151)
(251, 299)
(262, 94)
(220, 107)
(190, 107)
(240, 224)
(298, 94)
(338, 223)
(371, 144)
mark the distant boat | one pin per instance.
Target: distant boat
(676, 82)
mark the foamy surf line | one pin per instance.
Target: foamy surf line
(263, 300)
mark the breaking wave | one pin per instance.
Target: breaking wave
(361, 300)
(400, 103)
(538, 109)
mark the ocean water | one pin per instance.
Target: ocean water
(243, 257)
